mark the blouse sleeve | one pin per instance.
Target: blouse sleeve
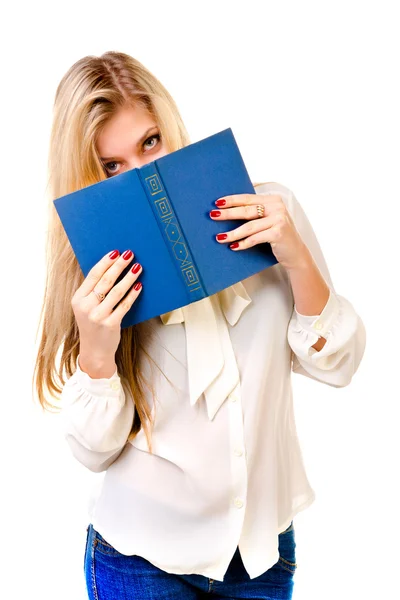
(96, 418)
(338, 323)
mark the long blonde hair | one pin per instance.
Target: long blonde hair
(91, 91)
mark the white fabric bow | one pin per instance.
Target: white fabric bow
(212, 366)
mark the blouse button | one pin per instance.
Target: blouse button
(318, 325)
(238, 452)
(238, 502)
(114, 385)
(233, 397)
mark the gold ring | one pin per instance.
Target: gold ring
(100, 295)
(260, 210)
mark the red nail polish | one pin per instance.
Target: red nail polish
(234, 245)
(215, 213)
(136, 268)
(220, 203)
(113, 254)
(222, 236)
(137, 286)
(127, 254)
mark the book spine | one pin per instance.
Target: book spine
(171, 230)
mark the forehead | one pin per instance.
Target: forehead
(124, 129)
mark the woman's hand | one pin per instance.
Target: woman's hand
(99, 324)
(276, 227)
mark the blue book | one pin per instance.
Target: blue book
(161, 212)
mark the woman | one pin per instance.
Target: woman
(190, 414)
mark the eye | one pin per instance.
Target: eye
(108, 166)
(153, 137)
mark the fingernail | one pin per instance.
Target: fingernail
(215, 213)
(220, 203)
(234, 245)
(113, 254)
(137, 286)
(222, 236)
(136, 268)
(127, 254)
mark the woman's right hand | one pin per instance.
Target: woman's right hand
(98, 323)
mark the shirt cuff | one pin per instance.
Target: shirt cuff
(320, 324)
(104, 386)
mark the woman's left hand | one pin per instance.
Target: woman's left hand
(276, 227)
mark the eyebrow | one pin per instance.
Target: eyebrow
(142, 139)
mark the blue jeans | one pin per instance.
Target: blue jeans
(111, 575)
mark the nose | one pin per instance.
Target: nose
(136, 163)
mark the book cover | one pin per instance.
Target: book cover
(161, 212)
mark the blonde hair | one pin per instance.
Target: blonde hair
(91, 91)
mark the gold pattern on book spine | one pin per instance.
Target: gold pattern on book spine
(154, 184)
(173, 233)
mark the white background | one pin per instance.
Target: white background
(310, 90)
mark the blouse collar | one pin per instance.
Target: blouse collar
(212, 367)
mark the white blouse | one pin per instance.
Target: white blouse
(226, 468)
